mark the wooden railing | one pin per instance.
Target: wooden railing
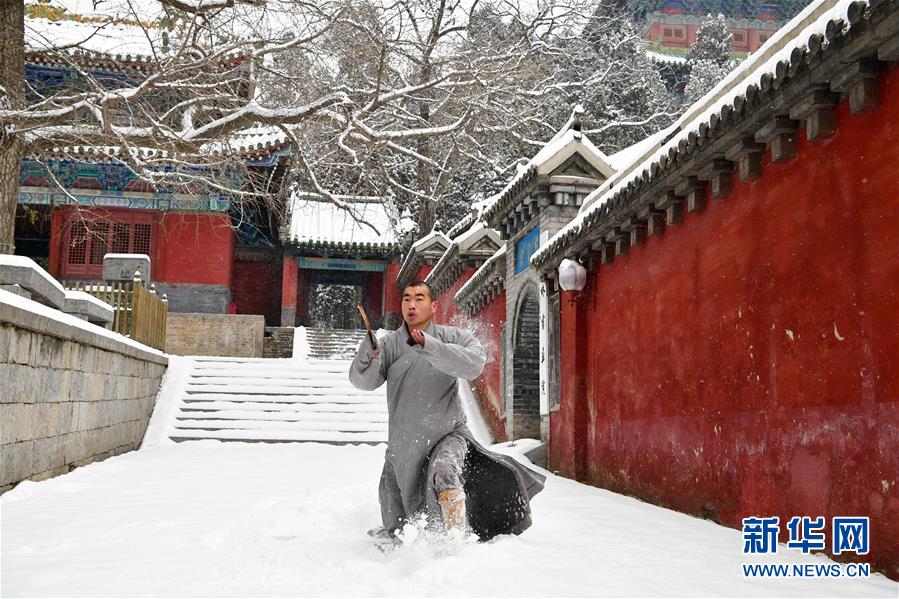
(139, 313)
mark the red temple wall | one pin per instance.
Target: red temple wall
(392, 299)
(57, 226)
(289, 287)
(744, 363)
(752, 36)
(374, 295)
(256, 289)
(421, 274)
(194, 248)
(488, 324)
(448, 311)
(187, 247)
(303, 291)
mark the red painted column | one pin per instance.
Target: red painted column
(57, 231)
(572, 438)
(289, 292)
(392, 300)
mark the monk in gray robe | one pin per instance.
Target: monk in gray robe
(433, 465)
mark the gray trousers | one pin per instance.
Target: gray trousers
(449, 459)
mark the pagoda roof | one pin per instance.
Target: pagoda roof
(251, 144)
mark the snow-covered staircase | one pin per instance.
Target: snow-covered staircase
(259, 399)
(333, 343)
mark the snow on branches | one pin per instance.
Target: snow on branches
(428, 104)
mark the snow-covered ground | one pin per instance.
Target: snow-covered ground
(205, 518)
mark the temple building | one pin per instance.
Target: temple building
(346, 242)
(211, 253)
(78, 203)
(675, 23)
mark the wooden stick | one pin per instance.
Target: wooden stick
(371, 335)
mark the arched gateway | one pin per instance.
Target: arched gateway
(526, 367)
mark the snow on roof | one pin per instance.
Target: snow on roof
(623, 158)
(477, 209)
(316, 220)
(478, 275)
(560, 148)
(479, 229)
(429, 238)
(462, 244)
(254, 140)
(411, 256)
(813, 19)
(104, 38)
(662, 57)
(111, 27)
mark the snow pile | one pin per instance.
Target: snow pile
(207, 519)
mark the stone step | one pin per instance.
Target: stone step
(281, 425)
(303, 389)
(313, 410)
(267, 397)
(284, 415)
(275, 399)
(275, 436)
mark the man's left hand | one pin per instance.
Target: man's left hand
(418, 336)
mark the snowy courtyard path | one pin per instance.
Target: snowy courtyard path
(205, 518)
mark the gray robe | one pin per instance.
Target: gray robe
(423, 406)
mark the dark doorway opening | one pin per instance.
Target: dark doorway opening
(526, 369)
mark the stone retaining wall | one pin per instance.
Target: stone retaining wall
(71, 393)
(237, 335)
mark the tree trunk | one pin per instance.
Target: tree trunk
(426, 207)
(12, 76)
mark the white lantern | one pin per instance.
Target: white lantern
(572, 276)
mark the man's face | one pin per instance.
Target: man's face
(418, 308)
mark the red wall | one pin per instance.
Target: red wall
(744, 363)
(57, 232)
(447, 309)
(489, 326)
(194, 248)
(289, 285)
(257, 290)
(303, 291)
(189, 247)
(392, 298)
(751, 36)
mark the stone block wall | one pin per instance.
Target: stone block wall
(236, 335)
(71, 393)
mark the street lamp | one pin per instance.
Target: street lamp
(572, 276)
